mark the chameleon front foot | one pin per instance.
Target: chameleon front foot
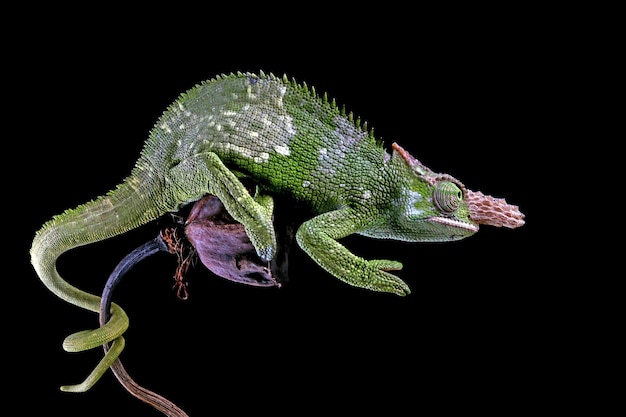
(379, 280)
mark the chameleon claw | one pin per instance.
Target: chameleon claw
(267, 253)
(384, 281)
(385, 265)
(402, 290)
(396, 286)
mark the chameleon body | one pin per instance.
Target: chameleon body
(290, 141)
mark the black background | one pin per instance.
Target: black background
(466, 92)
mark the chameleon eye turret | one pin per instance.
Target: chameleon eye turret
(447, 196)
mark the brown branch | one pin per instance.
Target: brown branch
(150, 397)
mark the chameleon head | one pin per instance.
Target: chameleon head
(436, 207)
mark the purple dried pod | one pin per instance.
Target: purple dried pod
(225, 249)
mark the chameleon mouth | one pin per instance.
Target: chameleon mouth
(473, 228)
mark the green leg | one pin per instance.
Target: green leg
(318, 238)
(254, 213)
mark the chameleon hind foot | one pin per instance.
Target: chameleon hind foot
(213, 177)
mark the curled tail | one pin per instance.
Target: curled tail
(138, 200)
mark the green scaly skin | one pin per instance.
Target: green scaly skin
(291, 142)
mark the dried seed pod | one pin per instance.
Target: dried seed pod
(225, 249)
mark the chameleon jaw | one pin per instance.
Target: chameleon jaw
(469, 227)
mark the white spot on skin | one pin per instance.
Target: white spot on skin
(325, 167)
(263, 157)
(250, 94)
(229, 113)
(306, 183)
(237, 149)
(283, 90)
(181, 127)
(412, 211)
(166, 127)
(287, 123)
(367, 194)
(414, 197)
(282, 149)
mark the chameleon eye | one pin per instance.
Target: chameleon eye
(447, 196)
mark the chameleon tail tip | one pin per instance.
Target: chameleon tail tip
(74, 388)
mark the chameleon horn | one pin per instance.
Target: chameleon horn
(485, 209)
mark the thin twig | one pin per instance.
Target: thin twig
(150, 397)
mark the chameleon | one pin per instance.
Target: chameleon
(290, 141)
